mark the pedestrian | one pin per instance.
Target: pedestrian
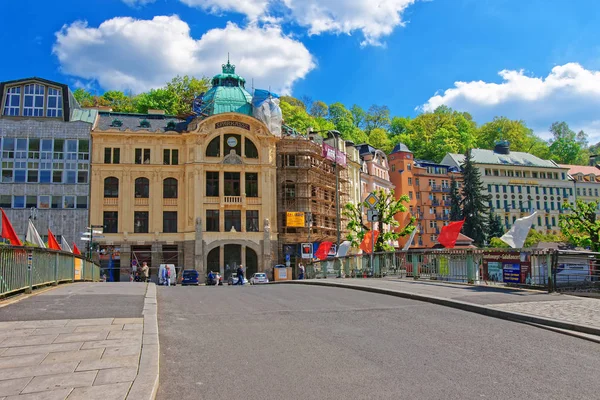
(301, 271)
(240, 274)
(168, 276)
(165, 276)
(145, 271)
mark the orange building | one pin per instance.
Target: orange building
(427, 185)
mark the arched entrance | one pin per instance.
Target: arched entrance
(251, 262)
(233, 259)
(213, 262)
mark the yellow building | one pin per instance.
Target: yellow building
(200, 194)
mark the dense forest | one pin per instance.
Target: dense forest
(429, 135)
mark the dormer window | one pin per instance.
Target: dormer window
(145, 124)
(12, 104)
(33, 101)
(171, 126)
(580, 178)
(116, 123)
(54, 107)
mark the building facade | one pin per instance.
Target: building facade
(375, 170)
(586, 182)
(427, 185)
(199, 193)
(520, 183)
(45, 158)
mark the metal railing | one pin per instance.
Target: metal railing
(550, 269)
(23, 268)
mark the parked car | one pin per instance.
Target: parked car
(259, 277)
(173, 270)
(217, 279)
(233, 280)
(190, 277)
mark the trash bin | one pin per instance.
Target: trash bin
(282, 273)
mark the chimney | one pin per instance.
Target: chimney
(156, 112)
(502, 147)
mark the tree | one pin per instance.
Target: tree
(581, 226)
(358, 116)
(474, 204)
(533, 238)
(379, 139)
(520, 137)
(377, 117)
(292, 101)
(186, 89)
(567, 147)
(319, 109)
(119, 101)
(399, 125)
(495, 229)
(455, 200)
(157, 99)
(389, 229)
(83, 97)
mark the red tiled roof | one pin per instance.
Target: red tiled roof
(582, 169)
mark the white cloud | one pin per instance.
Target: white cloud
(251, 8)
(128, 54)
(137, 3)
(569, 93)
(374, 18)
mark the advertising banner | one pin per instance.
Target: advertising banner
(507, 267)
(78, 264)
(295, 220)
(330, 154)
(512, 273)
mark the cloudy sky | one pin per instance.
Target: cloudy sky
(536, 60)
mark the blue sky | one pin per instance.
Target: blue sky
(407, 54)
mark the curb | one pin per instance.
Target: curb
(461, 305)
(145, 385)
(6, 301)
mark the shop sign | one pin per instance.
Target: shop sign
(295, 220)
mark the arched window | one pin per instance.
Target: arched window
(111, 187)
(250, 149)
(142, 188)
(170, 188)
(214, 148)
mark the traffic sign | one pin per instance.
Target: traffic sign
(98, 232)
(372, 215)
(307, 250)
(287, 258)
(372, 200)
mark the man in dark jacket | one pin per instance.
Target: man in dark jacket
(240, 274)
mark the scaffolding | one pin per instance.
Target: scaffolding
(306, 182)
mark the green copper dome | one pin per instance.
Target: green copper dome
(228, 93)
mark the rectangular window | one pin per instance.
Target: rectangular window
(82, 202)
(417, 181)
(233, 219)
(12, 104)
(251, 220)
(56, 201)
(112, 155)
(212, 220)
(82, 176)
(5, 201)
(410, 195)
(31, 201)
(19, 202)
(44, 202)
(57, 176)
(33, 100)
(142, 156)
(54, 107)
(170, 221)
(231, 184)
(32, 175)
(111, 221)
(251, 184)
(212, 184)
(170, 156)
(140, 221)
(69, 202)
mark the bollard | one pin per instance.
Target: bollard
(415, 262)
(55, 270)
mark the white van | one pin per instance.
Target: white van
(173, 271)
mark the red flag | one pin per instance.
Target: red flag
(367, 242)
(8, 231)
(52, 243)
(323, 250)
(449, 233)
(76, 250)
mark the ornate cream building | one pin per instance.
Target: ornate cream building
(198, 193)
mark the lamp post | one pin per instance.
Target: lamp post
(335, 135)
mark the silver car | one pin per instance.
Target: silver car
(259, 277)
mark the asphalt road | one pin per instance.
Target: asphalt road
(303, 342)
(80, 300)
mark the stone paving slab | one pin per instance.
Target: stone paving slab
(79, 358)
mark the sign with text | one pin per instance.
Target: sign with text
(307, 250)
(330, 154)
(295, 220)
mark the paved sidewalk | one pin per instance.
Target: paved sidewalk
(556, 307)
(45, 357)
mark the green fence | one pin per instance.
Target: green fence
(23, 268)
(519, 267)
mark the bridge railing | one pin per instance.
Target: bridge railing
(23, 268)
(537, 268)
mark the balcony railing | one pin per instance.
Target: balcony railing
(169, 202)
(447, 202)
(111, 201)
(435, 202)
(440, 188)
(253, 200)
(141, 201)
(232, 199)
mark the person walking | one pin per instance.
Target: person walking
(301, 271)
(165, 276)
(240, 274)
(145, 271)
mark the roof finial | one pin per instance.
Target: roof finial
(228, 68)
(227, 57)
